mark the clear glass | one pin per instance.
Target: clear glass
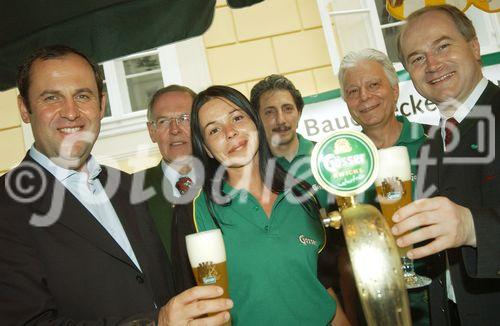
(207, 256)
(142, 88)
(141, 64)
(394, 190)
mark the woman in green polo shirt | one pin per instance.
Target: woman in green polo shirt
(271, 230)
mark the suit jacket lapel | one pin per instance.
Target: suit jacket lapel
(468, 125)
(74, 216)
(486, 100)
(127, 215)
(155, 178)
(158, 206)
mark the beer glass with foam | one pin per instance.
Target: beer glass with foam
(207, 256)
(394, 190)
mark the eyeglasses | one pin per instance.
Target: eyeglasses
(164, 123)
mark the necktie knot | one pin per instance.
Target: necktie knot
(183, 184)
(449, 128)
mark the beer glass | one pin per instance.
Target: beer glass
(394, 190)
(207, 256)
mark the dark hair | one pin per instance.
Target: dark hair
(211, 164)
(274, 83)
(462, 23)
(168, 89)
(49, 53)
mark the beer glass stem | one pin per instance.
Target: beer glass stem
(407, 265)
(412, 279)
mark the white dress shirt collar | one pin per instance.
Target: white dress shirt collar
(92, 167)
(464, 108)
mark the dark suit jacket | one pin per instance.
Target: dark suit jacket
(182, 225)
(475, 272)
(158, 206)
(173, 223)
(73, 271)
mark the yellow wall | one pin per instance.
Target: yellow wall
(11, 136)
(275, 36)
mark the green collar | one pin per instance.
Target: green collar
(410, 133)
(234, 193)
(305, 147)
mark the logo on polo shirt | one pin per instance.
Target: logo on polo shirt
(307, 241)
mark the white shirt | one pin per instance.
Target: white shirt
(173, 176)
(89, 191)
(464, 108)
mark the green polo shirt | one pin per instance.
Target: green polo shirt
(300, 168)
(412, 136)
(272, 262)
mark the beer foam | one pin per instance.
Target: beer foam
(206, 246)
(393, 162)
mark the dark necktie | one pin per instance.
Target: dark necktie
(183, 184)
(449, 127)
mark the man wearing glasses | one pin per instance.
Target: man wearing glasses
(168, 124)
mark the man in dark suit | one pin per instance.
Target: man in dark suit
(458, 168)
(73, 248)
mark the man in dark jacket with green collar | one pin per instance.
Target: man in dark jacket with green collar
(169, 114)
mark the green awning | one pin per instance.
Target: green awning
(102, 29)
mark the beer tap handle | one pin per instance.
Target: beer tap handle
(334, 220)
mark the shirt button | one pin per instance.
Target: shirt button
(256, 208)
(266, 228)
(139, 279)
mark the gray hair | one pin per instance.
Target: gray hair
(352, 59)
(164, 90)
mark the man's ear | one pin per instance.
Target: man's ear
(300, 116)
(208, 152)
(395, 91)
(152, 131)
(23, 109)
(476, 48)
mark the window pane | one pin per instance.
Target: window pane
(353, 33)
(383, 14)
(142, 88)
(390, 34)
(142, 64)
(390, 37)
(338, 5)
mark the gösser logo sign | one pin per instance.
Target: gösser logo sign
(345, 163)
